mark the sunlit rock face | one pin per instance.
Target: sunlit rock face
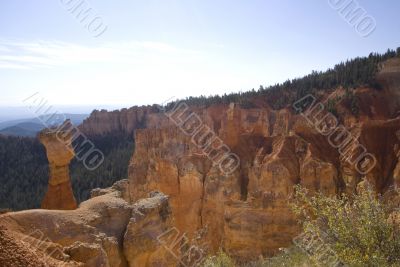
(124, 121)
(247, 212)
(59, 195)
(91, 235)
(149, 221)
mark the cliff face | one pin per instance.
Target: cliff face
(124, 121)
(246, 212)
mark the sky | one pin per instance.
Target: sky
(145, 52)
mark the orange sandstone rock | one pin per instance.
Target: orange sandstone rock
(59, 153)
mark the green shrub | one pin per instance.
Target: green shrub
(219, 260)
(290, 257)
(357, 228)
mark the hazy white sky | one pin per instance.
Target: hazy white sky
(156, 49)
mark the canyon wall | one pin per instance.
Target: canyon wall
(247, 211)
(124, 121)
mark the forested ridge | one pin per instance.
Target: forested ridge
(360, 71)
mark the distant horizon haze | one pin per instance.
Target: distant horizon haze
(154, 50)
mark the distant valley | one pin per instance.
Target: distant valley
(31, 126)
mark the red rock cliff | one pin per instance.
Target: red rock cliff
(247, 211)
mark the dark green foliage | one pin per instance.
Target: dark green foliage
(331, 106)
(117, 149)
(360, 71)
(351, 101)
(24, 170)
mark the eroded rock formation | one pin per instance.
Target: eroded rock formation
(150, 219)
(247, 212)
(60, 152)
(104, 231)
(122, 121)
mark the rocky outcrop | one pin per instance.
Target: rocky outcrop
(150, 219)
(246, 212)
(104, 231)
(60, 152)
(124, 121)
(91, 235)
